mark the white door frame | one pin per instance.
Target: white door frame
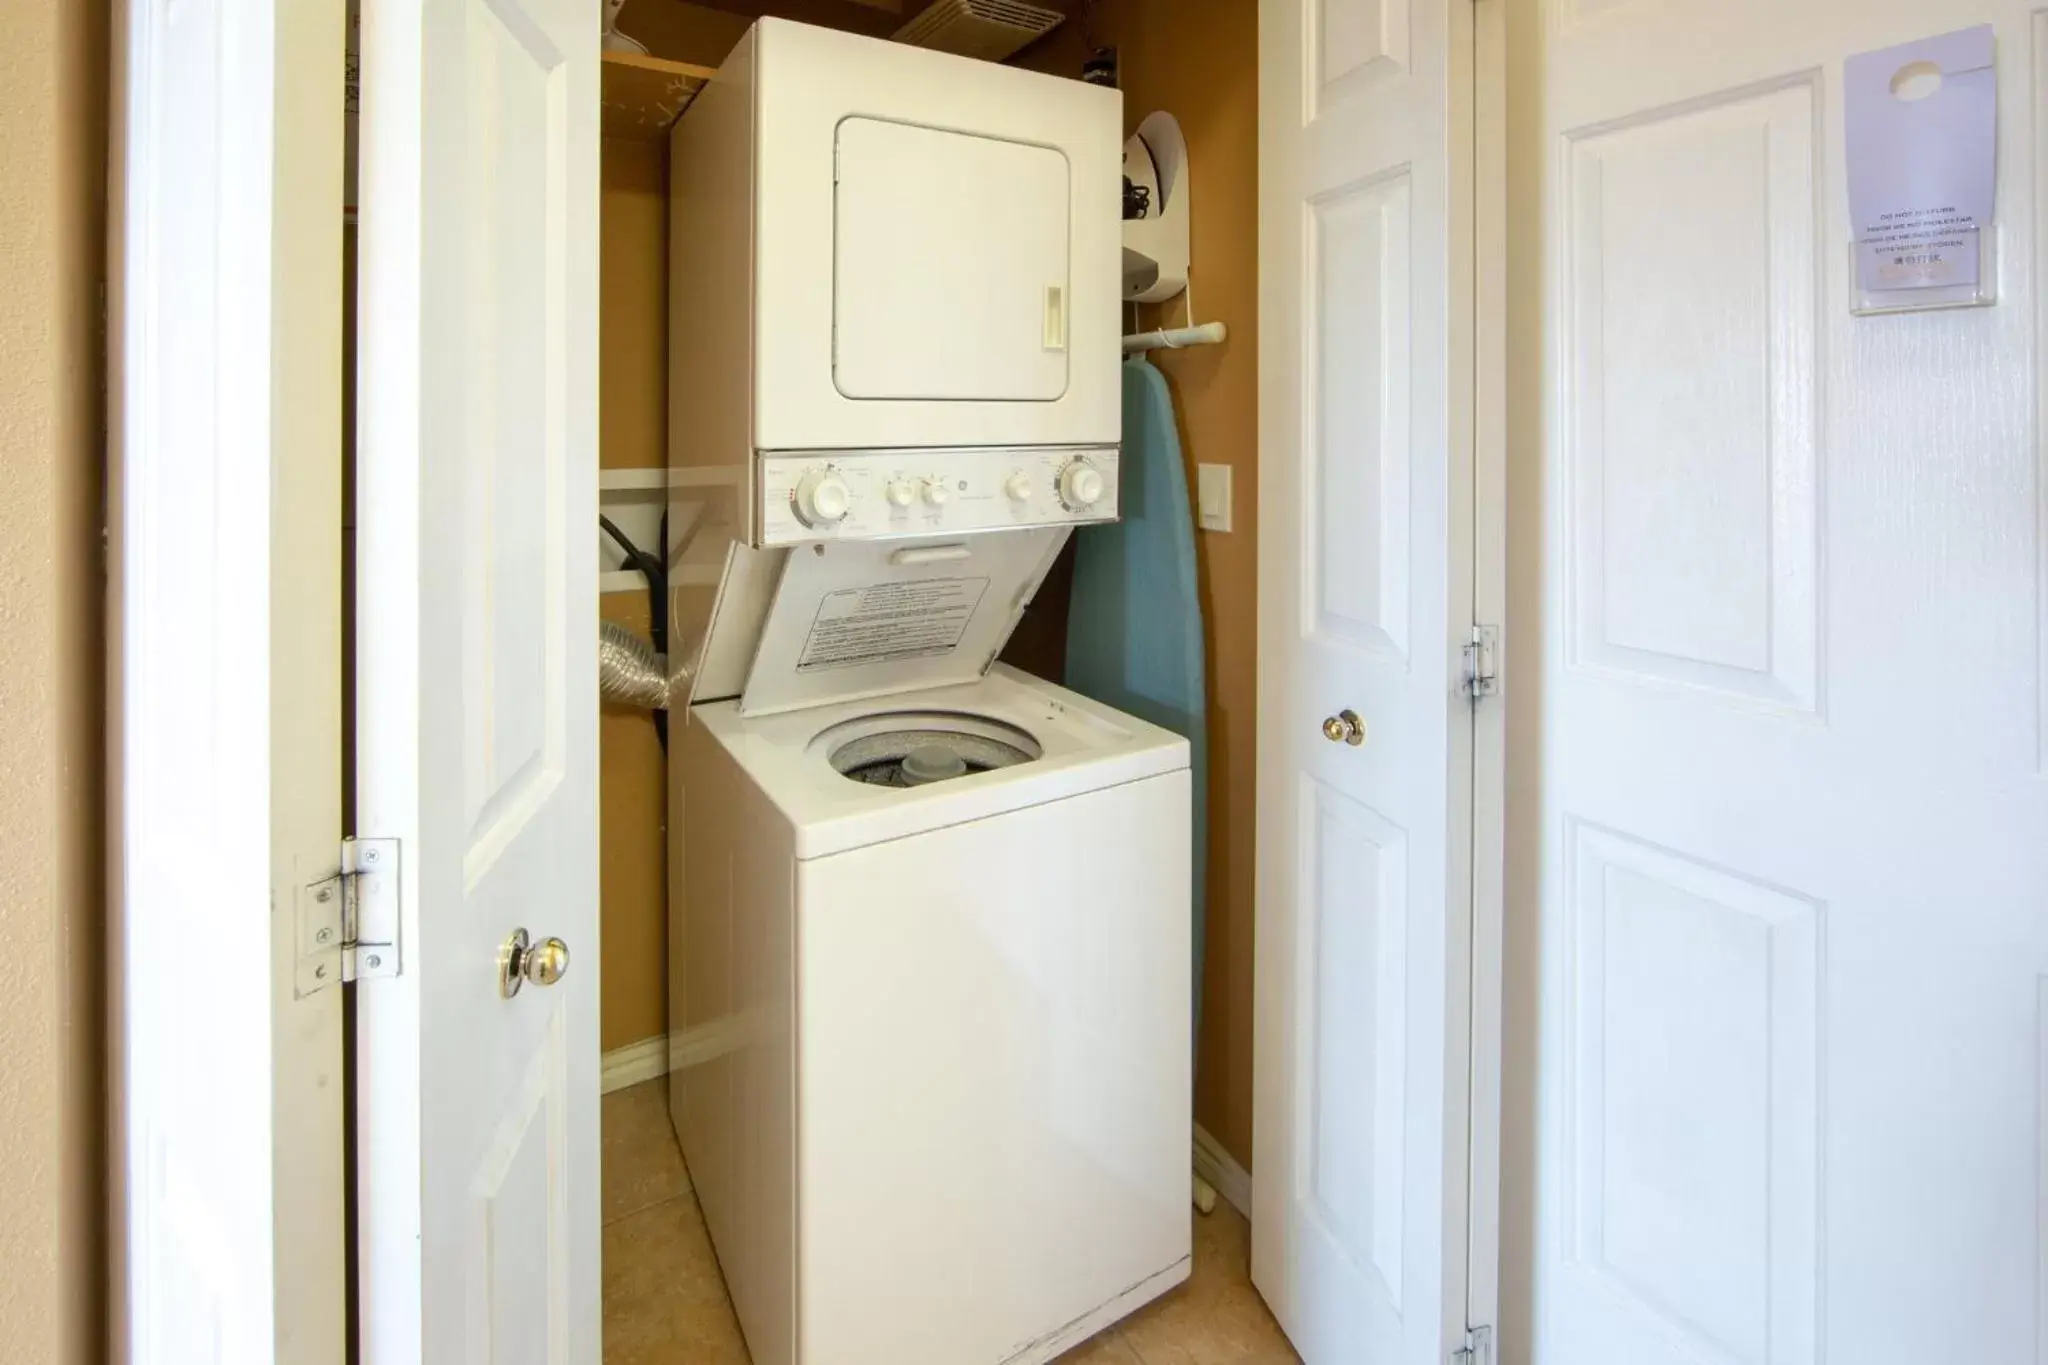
(225, 665)
(1486, 942)
(224, 668)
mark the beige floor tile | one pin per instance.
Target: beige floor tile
(642, 1164)
(664, 1303)
(1106, 1347)
(1216, 1318)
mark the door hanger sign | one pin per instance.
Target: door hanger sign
(1922, 128)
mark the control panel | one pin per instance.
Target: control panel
(869, 494)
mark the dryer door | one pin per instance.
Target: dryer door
(950, 265)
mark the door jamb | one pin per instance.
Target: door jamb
(224, 674)
(1488, 110)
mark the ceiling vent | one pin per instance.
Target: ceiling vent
(988, 29)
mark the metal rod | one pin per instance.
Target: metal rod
(1173, 338)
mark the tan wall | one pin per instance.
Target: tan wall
(1198, 60)
(632, 848)
(632, 386)
(632, 427)
(52, 1146)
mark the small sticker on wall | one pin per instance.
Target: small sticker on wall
(1922, 129)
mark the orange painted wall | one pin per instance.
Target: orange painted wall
(632, 432)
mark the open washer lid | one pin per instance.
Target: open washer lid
(856, 619)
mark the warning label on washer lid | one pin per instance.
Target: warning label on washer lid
(884, 622)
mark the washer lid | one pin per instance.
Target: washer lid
(855, 619)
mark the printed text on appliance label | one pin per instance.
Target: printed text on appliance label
(885, 622)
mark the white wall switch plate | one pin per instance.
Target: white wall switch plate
(1212, 496)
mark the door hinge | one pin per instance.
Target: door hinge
(1478, 1348)
(1482, 663)
(348, 921)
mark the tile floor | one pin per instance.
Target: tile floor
(664, 1303)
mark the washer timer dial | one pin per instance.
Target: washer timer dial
(1081, 485)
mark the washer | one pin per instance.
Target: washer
(930, 974)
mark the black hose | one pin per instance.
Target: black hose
(654, 569)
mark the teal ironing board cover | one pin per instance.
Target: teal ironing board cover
(1134, 625)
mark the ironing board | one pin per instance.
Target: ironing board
(1134, 625)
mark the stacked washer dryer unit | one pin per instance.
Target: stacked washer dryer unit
(930, 916)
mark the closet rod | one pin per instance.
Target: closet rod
(1173, 338)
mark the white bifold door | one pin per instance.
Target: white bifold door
(1366, 740)
(1793, 978)
(476, 741)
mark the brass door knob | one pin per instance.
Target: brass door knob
(521, 960)
(1344, 726)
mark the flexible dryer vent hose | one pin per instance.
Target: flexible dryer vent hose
(629, 672)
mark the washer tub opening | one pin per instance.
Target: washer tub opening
(916, 748)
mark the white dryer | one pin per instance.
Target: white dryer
(879, 254)
(930, 973)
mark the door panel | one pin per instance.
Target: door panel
(1694, 1016)
(1793, 813)
(478, 708)
(1363, 37)
(1354, 1015)
(517, 1208)
(1358, 449)
(1362, 1047)
(1691, 248)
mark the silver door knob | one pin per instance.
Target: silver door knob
(1345, 726)
(521, 960)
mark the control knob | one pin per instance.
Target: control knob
(935, 492)
(822, 498)
(900, 493)
(1018, 487)
(1080, 485)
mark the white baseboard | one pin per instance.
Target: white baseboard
(1221, 1170)
(651, 1057)
(634, 1063)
